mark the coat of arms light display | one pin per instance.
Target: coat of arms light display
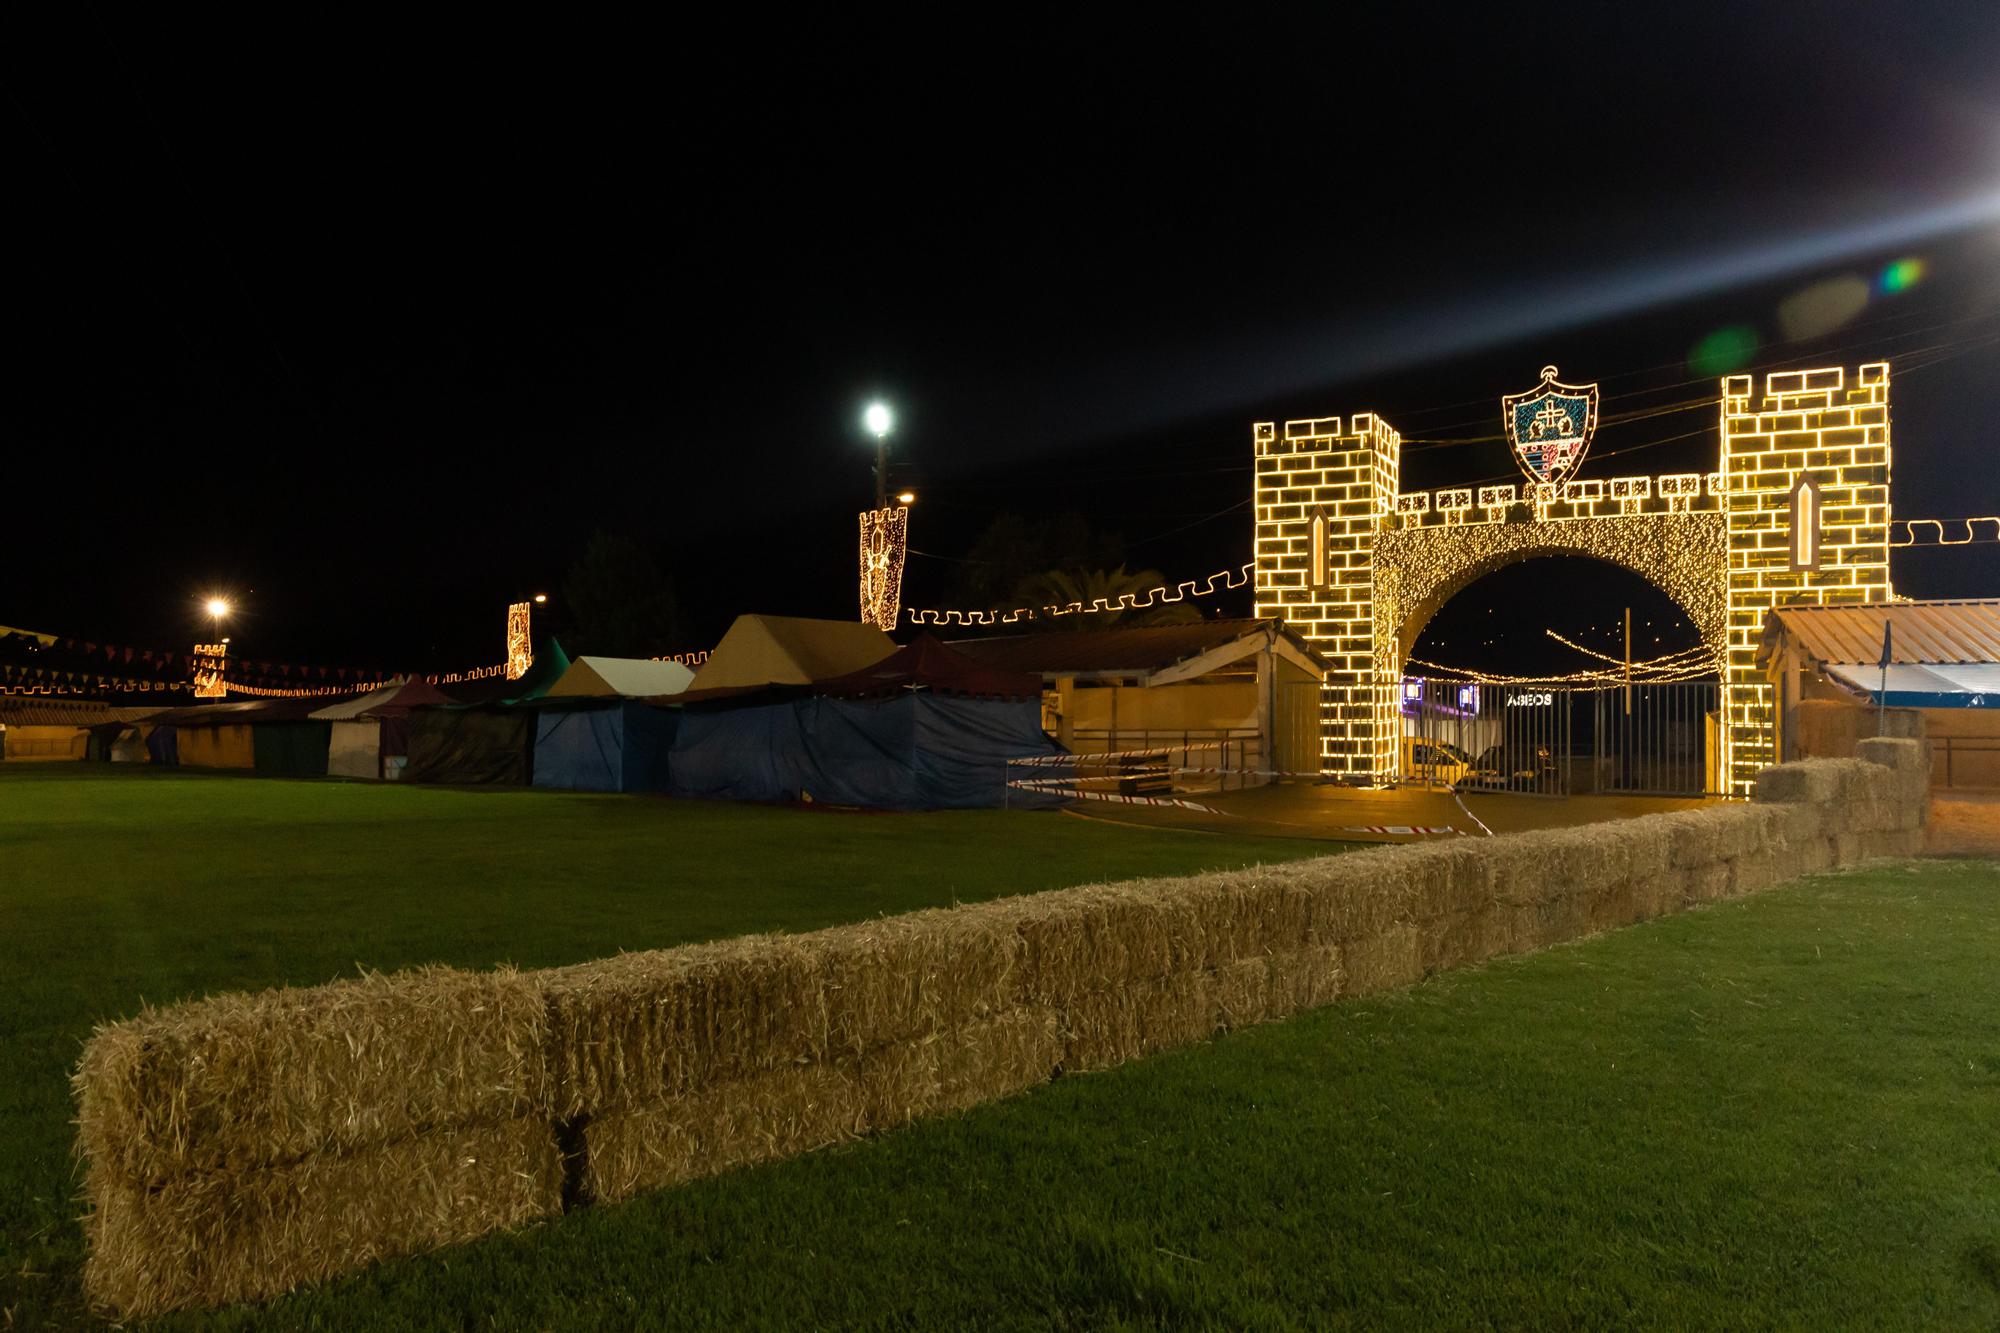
(1550, 427)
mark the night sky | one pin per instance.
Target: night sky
(372, 324)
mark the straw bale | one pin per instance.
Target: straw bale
(1693, 837)
(239, 1081)
(1816, 781)
(951, 1071)
(1108, 1027)
(1306, 979)
(639, 1027)
(1649, 846)
(1443, 879)
(1811, 855)
(784, 1112)
(1361, 893)
(1707, 883)
(771, 1115)
(1385, 961)
(1757, 871)
(216, 1237)
(1798, 823)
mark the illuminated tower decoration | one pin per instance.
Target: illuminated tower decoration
(1324, 490)
(520, 643)
(207, 674)
(1805, 485)
(1796, 514)
(884, 540)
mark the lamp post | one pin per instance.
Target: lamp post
(880, 421)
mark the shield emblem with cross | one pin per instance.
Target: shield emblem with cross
(1550, 426)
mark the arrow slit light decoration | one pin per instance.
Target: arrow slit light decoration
(208, 682)
(1550, 427)
(520, 646)
(884, 540)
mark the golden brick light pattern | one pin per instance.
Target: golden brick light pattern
(1832, 431)
(1358, 568)
(1337, 480)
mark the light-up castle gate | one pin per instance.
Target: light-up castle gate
(1797, 512)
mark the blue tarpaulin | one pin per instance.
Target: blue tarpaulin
(916, 750)
(604, 747)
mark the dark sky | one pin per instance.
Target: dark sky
(373, 323)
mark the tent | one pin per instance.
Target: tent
(924, 729)
(209, 736)
(370, 734)
(607, 745)
(472, 745)
(782, 650)
(620, 678)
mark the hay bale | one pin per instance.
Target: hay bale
(1105, 1028)
(1707, 883)
(1359, 894)
(1388, 960)
(1814, 781)
(635, 1029)
(216, 1237)
(1305, 979)
(952, 1071)
(770, 1115)
(241, 1081)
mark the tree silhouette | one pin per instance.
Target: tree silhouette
(618, 603)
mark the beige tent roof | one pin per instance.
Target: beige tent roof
(620, 677)
(348, 710)
(786, 650)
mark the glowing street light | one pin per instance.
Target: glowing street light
(540, 598)
(218, 609)
(880, 421)
(906, 497)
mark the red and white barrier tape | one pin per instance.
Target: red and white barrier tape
(1116, 799)
(1050, 760)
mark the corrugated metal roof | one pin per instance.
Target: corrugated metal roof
(1922, 633)
(1134, 651)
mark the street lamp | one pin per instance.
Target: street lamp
(880, 421)
(218, 609)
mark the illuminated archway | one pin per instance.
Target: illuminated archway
(1356, 566)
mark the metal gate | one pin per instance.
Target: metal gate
(1560, 740)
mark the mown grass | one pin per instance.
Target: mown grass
(1774, 1112)
(119, 885)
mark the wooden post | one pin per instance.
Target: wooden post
(1628, 661)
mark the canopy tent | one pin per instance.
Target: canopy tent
(620, 678)
(603, 745)
(472, 745)
(783, 650)
(925, 729)
(1938, 685)
(372, 731)
(291, 749)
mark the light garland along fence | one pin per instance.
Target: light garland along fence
(238, 1146)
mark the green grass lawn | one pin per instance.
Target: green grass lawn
(118, 885)
(1779, 1111)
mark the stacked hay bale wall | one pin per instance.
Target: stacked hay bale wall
(244, 1144)
(241, 1145)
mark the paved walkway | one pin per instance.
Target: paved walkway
(1964, 823)
(1351, 814)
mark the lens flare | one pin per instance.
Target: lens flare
(1822, 307)
(1901, 275)
(1723, 351)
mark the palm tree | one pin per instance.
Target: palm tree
(1115, 588)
